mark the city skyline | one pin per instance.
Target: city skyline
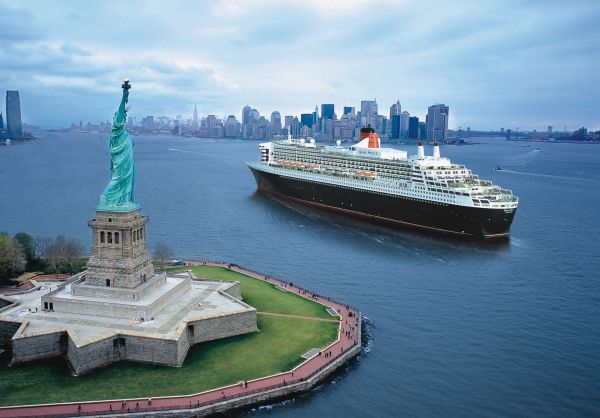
(527, 66)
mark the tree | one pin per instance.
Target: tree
(26, 242)
(40, 246)
(162, 252)
(12, 258)
(64, 255)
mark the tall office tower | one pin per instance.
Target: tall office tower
(327, 111)
(195, 119)
(368, 107)
(307, 119)
(422, 130)
(13, 115)
(413, 127)
(327, 116)
(395, 131)
(404, 116)
(289, 119)
(232, 127)
(1, 123)
(296, 126)
(437, 122)
(254, 116)
(368, 113)
(275, 123)
(211, 123)
(247, 131)
(349, 111)
(548, 131)
(316, 120)
(395, 109)
(246, 110)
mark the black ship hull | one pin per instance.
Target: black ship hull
(416, 213)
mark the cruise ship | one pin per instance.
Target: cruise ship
(386, 185)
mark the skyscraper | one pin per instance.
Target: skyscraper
(349, 111)
(395, 131)
(368, 107)
(195, 119)
(275, 123)
(327, 110)
(413, 127)
(395, 109)
(404, 116)
(232, 127)
(307, 119)
(13, 115)
(422, 131)
(437, 122)
(368, 113)
(246, 114)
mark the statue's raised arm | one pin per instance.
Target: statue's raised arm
(118, 195)
(122, 112)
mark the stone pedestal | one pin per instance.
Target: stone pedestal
(120, 281)
(119, 255)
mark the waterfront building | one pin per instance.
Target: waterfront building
(437, 122)
(13, 115)
(395, 109)
(246, 114)
(395, 129)
(413, 127)
(262, 128)
(327, 111)
(195, 119)
(292, 125)
(211, 122)
(276, 123)
(232, 127)
(368, 113)
(1, 124)
(422, 131)
(307, 119)
(404, 116)
(316, 120)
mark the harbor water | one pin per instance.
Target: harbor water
(454, 328)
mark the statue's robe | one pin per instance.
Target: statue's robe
(118, 194)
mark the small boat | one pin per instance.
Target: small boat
(498, 168)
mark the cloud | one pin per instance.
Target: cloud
(494, 63)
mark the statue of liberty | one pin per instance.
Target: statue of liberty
(118, 195)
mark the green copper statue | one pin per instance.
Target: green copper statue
(118, 195)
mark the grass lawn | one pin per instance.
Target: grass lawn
(261, 295)
(277, 347)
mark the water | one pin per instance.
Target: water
(457, 328)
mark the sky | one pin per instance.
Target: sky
(526, 64)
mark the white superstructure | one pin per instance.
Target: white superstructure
(384, 170)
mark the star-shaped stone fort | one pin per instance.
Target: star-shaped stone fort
(120, 308)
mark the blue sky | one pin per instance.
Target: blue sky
(495, 63)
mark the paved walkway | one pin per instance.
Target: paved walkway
(310, 318)
(348, 337)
